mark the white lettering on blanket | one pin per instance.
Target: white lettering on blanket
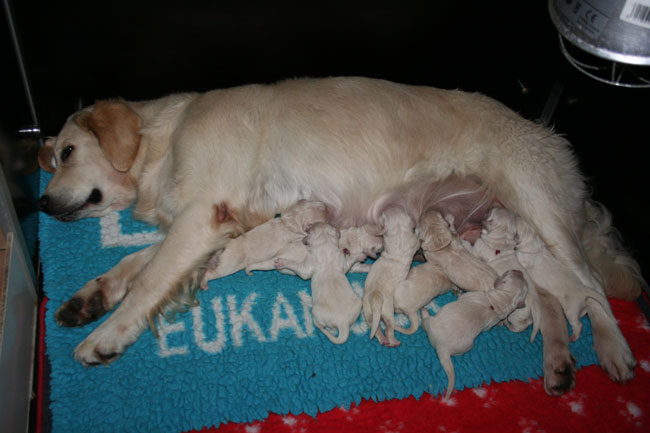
(238, 318)
(112, 235)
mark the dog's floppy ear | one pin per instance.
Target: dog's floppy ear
(46, 156)
(116, 127)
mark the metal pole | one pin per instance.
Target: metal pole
(35, 129)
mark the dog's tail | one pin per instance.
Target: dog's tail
(344, 333)
(375, 300)
(619, 272)
(415, 323)
(448, 366)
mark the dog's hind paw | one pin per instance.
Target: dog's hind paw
(614, 354)
(560, 377)
(79, 311)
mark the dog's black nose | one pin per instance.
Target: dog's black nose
(44, 204)
(95, 196)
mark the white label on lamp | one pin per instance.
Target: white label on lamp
(636, 12)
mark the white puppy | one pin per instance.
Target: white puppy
(335, 305)
(496, 247)
(392, 266)
(423, 283)
(546, 271)
(442, 246)
(264, 241)
(359, 243)
(454, 328)
(356, 243)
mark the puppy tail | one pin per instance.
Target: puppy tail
(375, 299)
(448, 366)
(344, 333)
(619, 272)
(415, 323)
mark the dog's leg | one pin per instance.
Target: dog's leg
(302, 269)
(101, 294)
(614, 354)
(559, 369)
(193, 236)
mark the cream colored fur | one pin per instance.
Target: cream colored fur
(345, 142)
(334, 303)
(454, 328)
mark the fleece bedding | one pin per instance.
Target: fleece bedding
(248, 349)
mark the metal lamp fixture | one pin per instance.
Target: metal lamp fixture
(608, 40)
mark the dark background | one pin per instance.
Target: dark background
(76, 52)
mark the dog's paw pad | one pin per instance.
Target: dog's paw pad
(561, 380)
(78, 311)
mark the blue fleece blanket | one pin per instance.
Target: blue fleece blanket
(248, 349)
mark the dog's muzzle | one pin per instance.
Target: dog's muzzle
(66, 211)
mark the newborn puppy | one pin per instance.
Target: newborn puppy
(423, 283)
(359, 243)
(547, 272)
(335, 305)
(264, 241)
(392, 266)
(356, 243)
(454, 328)
(441, 246)
(295, 251)
(496, 247)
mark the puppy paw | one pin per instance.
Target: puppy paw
(560, 376)
(81, 310)
(280, 263)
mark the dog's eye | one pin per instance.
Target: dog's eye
(66, 153)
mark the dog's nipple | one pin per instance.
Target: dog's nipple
(346, 251)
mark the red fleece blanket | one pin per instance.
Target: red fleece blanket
(596, 404)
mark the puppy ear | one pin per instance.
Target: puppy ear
(116, 127)
(46, 156)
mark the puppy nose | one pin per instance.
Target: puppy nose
(44, 204)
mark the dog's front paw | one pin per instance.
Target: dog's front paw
(84, 307)
(280, 263)
(94, 351)
(109, 341)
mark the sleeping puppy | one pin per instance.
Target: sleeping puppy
(260, 148)
(497, 244)
(454, 328)
(423, 283)
(392, 266)
(357, 244)
(264, 241)
(547, 272)
(442, 246)
(496, 247)
(335, 305)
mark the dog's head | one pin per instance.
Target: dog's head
(513, 282)
(500, 223)
(321, 233)
(300, 217)
(91, 159)
(434, 231)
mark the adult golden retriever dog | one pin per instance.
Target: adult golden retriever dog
(207, 167)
